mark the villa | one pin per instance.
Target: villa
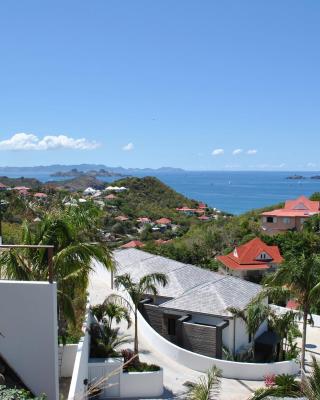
(291, 217)
(164, 221)
(144, 220)
(192, 310)
(2, 186)
(251, 259)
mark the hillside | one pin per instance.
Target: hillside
(28, 182)
(76, 184)
(150, 197)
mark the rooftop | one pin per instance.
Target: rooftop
(190, 288)
(252, 255)
(299, 207)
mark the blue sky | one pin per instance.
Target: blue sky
(161, 83)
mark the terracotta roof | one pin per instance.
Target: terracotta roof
(21, 188)
(40, 195)
(162, 241)
(185, 209)
(111, 197)
(300, 207)
(132, 244)
(163, 221)
(121, 218)
(144, 219)
(203, 218)
(202, 205)
(246, 256)
(2, 186)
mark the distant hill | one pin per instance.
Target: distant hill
(150, 197)
(31, 183)
(76, 184)
(52, 169)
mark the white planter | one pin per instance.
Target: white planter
(141, 384)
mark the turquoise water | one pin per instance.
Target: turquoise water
(236, 192)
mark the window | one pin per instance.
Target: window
(249, 338)
(270, 220)
(171, 326)
(286, 220)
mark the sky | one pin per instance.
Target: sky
(201, 85)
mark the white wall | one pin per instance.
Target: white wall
(28, 321)
(141, 384)
(198, 362)
(67, 357)
(80, 370)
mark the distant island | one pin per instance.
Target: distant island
(300, 177)
(74, 172)
(296, 177)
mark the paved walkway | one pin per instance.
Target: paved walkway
(175, 375)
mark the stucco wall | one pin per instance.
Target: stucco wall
(28, 321)
(67, 356)
(141, 384)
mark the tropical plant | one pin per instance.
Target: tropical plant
(108, 312)
(255, 313)
(311, 384)
(287, 329)
(72, 259)
(18, 394)
(299, 278)
(146, 285)
(281, 386)
(105, 341)
(206, 388)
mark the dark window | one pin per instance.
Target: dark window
(249, 338)
(171, 326)
(270, 219)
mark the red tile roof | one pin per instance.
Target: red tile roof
(202, 205)
(2, 186)
(163, 221)
(300, 207)
(144, 219)
(40, 195)
(21, 188)
(185, 209)
(162, 241)
(247, 255)
(111, 197)
(121, 218)
(203, 218)
(132, 244)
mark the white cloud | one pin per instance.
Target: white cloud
(128, 147)
(217, 152)
(311, 164)
(252, 152)
(237, 151)
(24, 141)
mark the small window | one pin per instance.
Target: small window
(249, 338)
(286, 220)
(171, 326)
(270, 220)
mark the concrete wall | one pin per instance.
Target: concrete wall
(28, 321)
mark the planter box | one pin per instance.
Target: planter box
(142, 384)
(108, 374)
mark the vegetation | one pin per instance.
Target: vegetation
(72, 260)
(17, 394)
(206, 388)
(147, 284)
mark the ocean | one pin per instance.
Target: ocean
(233, 192)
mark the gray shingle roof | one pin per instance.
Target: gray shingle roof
(192, 288)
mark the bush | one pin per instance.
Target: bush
(17, 394)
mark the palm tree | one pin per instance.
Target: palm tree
(207, 387)
(108, 312)
(253, 316)
(298, 277)
(137, 290)
(72, 259)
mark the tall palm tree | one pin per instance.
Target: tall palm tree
(206, 388)
(137, 290)
(253, 316)
(72, 259)
(299, 278)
